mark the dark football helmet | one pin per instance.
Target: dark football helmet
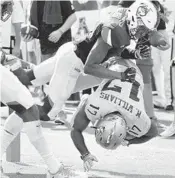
(6, 10)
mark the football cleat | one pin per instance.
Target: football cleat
(170, 131)
(57, 114)
(68, 172)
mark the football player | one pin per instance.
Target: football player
(145, 66)
(117, 112)
(26, 115)
(111, 36)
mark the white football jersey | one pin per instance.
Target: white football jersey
(124, 97)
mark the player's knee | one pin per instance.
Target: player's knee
(13, 124)
(33, 130)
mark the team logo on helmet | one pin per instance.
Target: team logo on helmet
(110, 131)
(142, 17)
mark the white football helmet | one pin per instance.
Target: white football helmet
(142, 17)
(110, 131)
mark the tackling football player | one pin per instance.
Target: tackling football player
(112, 36)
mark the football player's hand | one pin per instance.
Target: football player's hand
(129, 75)
(55, 36)
(144, 52)
(89, 161)
(163, 47)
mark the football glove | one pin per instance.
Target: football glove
(144, 52)
(88, 160)
(129, 75)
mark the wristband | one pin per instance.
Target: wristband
(61, 31)
(83, 156)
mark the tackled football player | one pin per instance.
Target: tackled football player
(116, 108)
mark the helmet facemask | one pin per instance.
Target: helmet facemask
(142, 18)
(110, 131)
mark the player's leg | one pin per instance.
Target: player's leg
(13, 124)
(147, 92)
(42, 73)
(158, 73)
(85, 81)
(67, 69)
(11, 129)
(27, 115)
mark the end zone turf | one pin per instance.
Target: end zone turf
(22, 170)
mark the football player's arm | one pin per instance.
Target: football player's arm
(80, 123)
(69, 14)
(97, 56)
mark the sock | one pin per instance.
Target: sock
(12, 127)
(34, 132)
(22, 76)
(47, 106)
(43, 110)
(30, 75)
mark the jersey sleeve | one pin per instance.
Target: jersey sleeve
(67, 9)
(116, 37)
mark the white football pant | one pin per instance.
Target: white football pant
(64, 71)
(12, 90)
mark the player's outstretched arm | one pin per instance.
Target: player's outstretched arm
(80, 123)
